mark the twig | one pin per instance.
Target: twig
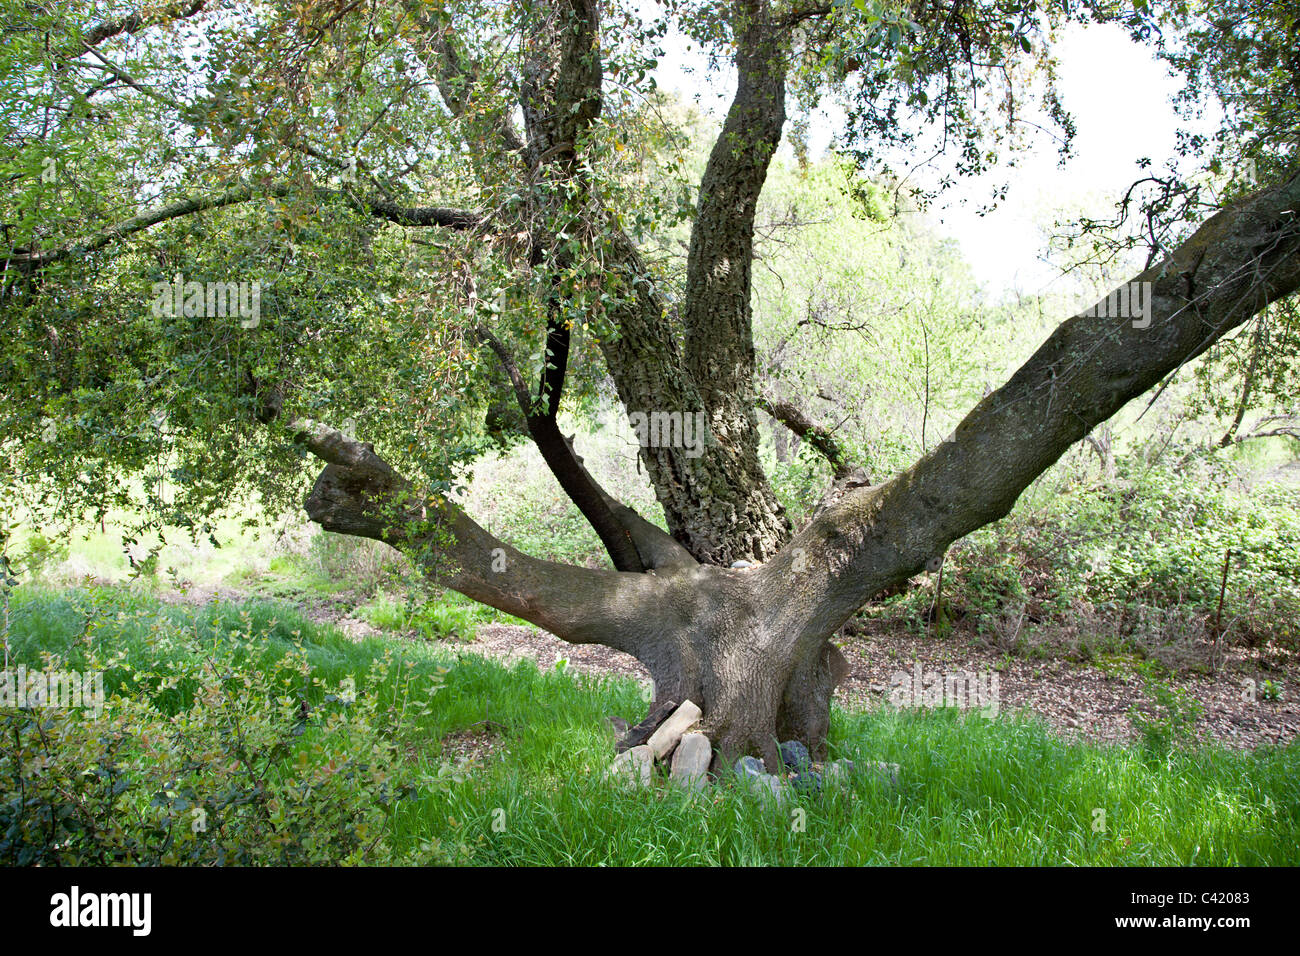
(1218, 614)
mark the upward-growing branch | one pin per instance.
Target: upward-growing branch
(716, 314)
(564, 464)
(719, 333)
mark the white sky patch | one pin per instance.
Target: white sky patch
(1121, 99)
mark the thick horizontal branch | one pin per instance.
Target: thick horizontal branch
(359, 493)
(444, 216)
(140, 222)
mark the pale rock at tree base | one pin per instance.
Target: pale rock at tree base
(691, 761)
(635, 765)
(665, 738)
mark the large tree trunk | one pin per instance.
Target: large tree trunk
(751, 646)
(700, 358)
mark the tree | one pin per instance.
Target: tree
(307, 151)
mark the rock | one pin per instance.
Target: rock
(642, 731)
(670, 731)
(809, 781)
(742, 563)
(767, 786)
(691, 761)
(621, 726)
(750, 767)
(755, 779)
(884, 772)
(635, 766)
(795, 756)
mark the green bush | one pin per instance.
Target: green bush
(214, 745)
(449, 616)
(1145, 552)
(1170, 719)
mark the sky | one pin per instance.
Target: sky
(1121, 100)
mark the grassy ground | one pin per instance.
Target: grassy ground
(972, 790)
(449, 758)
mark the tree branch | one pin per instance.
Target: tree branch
(1248, 381)
(719, 334)
(418, 216)
(802, 12)
(789, 415)
(140, 222)
(558, 453)
(359, 493)
(458, 80)
(406, 216)
(1288, 427)
(138, 20)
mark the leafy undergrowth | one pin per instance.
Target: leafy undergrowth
(447, 616)
(205, 721)
(1167, 566)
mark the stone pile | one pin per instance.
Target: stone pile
(667, 737)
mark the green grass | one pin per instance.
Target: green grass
(97, 551)
(128, 621)
(449, 616)
(972, 791)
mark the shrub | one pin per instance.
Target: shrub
(224, 751)
(1173, 713)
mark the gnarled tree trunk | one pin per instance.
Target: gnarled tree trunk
(751, 645)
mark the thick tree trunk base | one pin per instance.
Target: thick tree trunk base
(754, 693)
